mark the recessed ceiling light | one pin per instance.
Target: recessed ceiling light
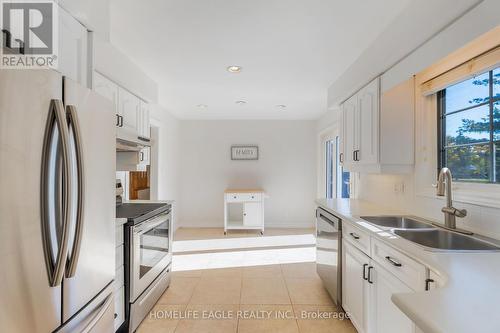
(241, 102)
(281, 106)
(234, 69)
(202, 106)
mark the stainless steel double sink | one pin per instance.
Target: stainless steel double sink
(426, 234)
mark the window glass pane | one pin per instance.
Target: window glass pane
(496, 146)
(469, 163)
(468, 93)
(496, 83)
(470, 126)
(496, 121)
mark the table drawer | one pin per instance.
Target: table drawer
(119, 256)
(406, 269)
(243, 197)
(357, 237)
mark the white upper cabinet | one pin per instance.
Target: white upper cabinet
(128, 110)
(73, 59)
(378, 130)
(144, 122)
(350, 130)
(132, 114)
(368, 117)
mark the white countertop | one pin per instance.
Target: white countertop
(468, 301)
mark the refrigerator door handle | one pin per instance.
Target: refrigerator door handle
(104, 307)
(55, 160)
(75, 251)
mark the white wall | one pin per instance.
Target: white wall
(381, 188)
(286, 170)
(413, 27)
(167, 185)
(117, 66)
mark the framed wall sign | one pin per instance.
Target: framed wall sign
(244, 153)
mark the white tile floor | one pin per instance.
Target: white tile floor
(244, 282)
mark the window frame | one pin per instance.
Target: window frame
(441, 128)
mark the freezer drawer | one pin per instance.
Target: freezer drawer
(95, 317)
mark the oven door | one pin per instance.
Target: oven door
(150, 252)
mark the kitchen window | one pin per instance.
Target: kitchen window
(469, 128)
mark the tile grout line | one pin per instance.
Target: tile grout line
(289, 296)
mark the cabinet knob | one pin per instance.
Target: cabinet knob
(234, 197)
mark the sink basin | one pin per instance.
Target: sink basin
(398, 222)
(445, 240)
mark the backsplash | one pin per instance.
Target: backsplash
(385, 190)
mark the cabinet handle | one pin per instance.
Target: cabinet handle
(354, 155)
(428, 284)
(393, 262)
(341, 157)
(142, 156)
(370, 274)
(116, 315)
(353, 235)
(364, 272)
(121, 121)
(7, 38)
(117, 120)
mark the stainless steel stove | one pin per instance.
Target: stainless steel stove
(148, 256)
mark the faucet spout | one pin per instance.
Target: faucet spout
(444, 187)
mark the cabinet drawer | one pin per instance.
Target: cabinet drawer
(119, 235)
(357, 237)
(406, 269)
(119, 277)
(243, 197)
(119, 307)
(119, 256)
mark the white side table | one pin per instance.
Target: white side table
(244, 210)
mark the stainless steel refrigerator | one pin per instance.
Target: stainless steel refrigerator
(57, 205)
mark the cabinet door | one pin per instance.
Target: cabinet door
(107, 88)
(144, 122)
(341, 137)
(355, 289)
(368, 123)
(385, 315)
(145, 156)
(252, 214)
(128, 108)
(72, 58)
(349, 129)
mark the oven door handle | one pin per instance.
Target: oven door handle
(143, 227)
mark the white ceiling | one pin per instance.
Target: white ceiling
(290, 51)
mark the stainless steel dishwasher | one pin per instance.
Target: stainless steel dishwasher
(329, 253)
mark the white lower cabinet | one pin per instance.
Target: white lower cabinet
(367, 289)
(355, 289)
(385, 316)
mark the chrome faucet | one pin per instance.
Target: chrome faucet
(450, 212)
